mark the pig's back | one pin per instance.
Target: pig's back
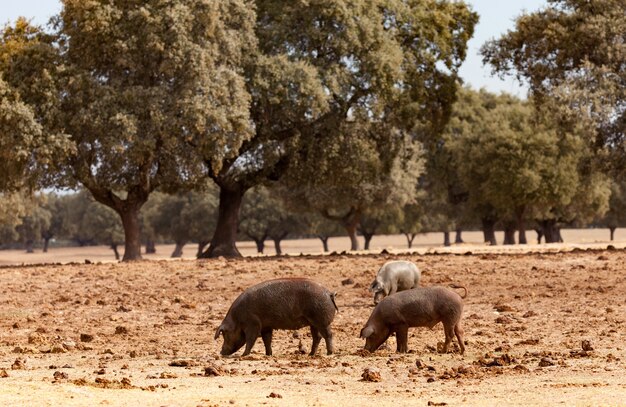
(290, 303)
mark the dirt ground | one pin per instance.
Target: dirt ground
(541, 329)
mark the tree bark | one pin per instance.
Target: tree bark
(489, 231)
(178, 250)
(409, 238)
(509, 233)
(458, 238)
(612, 229)
(446, 238)
(368, 238)
(521, 225)
(550, 231)
(351, 229)
(46, 243)
(350, 222)
(132, 233)
(115, 251)
(224, 238)
(277, 241)
(324, 240)
(201, 245)
(150, 246)
(260, 245)
(539, 235)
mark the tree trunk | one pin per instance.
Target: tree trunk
(539, 235)
(132, 233)
(277, 241)
(350, 222)
(509, 233)
(612, 229)
(224, 238)
(521, 224)
(458, 238)
(30, 246)
(201, 245)
(150, 246)
(351, 229)
(550, 231)
(324, 240)
(489, 231)
(446, 238)
(115, 251)
(260, 245)
(409, 239)
(46, 243)
(368, 238)
(178, 250)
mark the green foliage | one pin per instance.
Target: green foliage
(616, 215)
(263, 216)
(33, 225)
(184, 217)
(572, 55)
(515, 164)
(92, 222)
(150, 93)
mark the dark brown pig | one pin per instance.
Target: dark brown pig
(422, 306)
(287, 303)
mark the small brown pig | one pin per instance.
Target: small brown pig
(422, 306)
(286, 303)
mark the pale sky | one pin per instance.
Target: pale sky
(496, 17)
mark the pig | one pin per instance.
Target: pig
(422, 306)
(286, 303)
(394, 276)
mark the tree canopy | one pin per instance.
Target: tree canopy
(323, 67)
(149, 92)
(572, 55)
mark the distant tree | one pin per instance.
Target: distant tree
(265, 216)
(616, 215)
(166, 221)
(571, 53)
(383, 220)
(516, 164)
(59, 208)
(148, 234)
(322, 228)
(94, 223)
(200, 215)
(343, 190)
(175, 217)
(33, 224)
(410, 223)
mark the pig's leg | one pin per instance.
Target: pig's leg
(252, 332)
(267, 341)
(402, 338)
(317, 337)
(328, 338)
(448, 329)
(459, 336)
(394, 288)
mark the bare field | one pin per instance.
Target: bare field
(142, 334)
(424, 243)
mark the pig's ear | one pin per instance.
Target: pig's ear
(374, 285)
(219, 331)
(366, 332)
